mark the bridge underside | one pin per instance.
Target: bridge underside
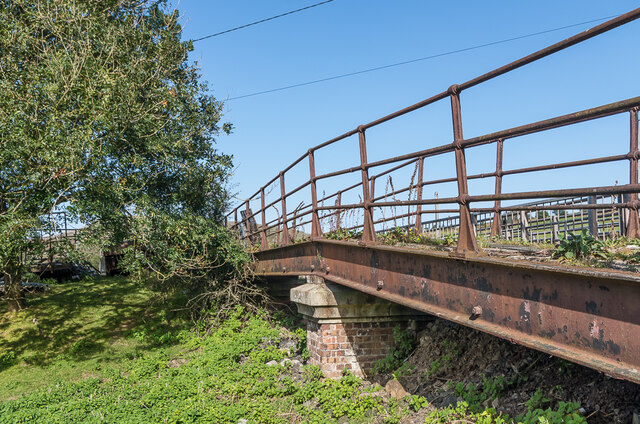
(587, 316)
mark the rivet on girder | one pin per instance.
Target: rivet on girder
(475, 312)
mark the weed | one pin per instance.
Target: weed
(403, 345)
(580, 246)
(435, 367)
(404, 370)
(7, 359)
(461, 413)
(417, 402)
(566, 413)
(344, 234)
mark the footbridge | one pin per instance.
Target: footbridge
(357, 282)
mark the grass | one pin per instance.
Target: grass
(83, 326)
(108, 350)
(104, 356)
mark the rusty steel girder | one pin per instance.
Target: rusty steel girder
(587, 316)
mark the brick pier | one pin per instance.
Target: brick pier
(347, 329)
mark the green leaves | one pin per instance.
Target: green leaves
(103, 116)
(580, 246)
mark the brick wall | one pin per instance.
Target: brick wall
(355, 346)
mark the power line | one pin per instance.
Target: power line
(261, 21)
(406, 62)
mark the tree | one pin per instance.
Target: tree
(101, 115)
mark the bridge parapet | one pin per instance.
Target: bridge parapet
(280, 223)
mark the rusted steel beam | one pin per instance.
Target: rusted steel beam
(368, 232)
(632, 224)
(466, 237)
(496, 224)
(588, 316)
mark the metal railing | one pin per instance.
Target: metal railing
(542, 226)
(278, 230)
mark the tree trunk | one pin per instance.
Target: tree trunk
(13, 290)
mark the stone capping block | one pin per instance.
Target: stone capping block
(331, 302)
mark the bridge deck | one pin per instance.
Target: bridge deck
(588, 316)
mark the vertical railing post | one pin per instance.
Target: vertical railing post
(264, 243)
(316, 231)
(247, 227)
(372, 191)
(555, 230)
(419, 196)
(496, 225)
(285, 238)
(338, 211)
(466, 239)
(592, 217)
(524, 225)
(368, 233)
(236, 226)
(632, 223)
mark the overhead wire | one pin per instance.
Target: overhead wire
(406, 62)
(261, 21)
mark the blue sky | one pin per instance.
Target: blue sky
(272, 130)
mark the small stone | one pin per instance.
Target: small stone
(495, 403)
(636, 418)
(448, 401)
(242, 421)
(288, 344)
(395, 390)
(296, 366)
(616, 411)
(582, 411)
(272, 363)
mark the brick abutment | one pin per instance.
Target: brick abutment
(347, 329)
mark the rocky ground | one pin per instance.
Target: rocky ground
(448, 354)
(453, 363)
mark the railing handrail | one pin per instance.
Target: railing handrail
(458, 146)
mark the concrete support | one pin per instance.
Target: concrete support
(348, 329)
